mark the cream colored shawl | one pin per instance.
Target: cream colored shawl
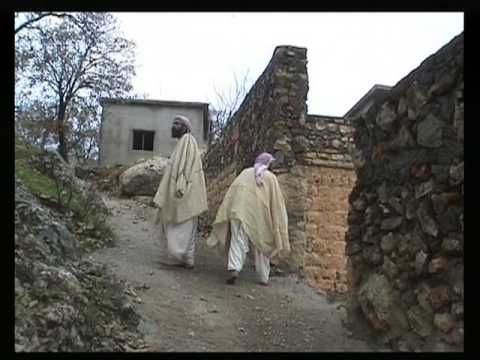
(183, 173)
(261, 210)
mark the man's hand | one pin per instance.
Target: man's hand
(179, 193)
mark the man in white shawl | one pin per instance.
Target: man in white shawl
(181, 197)
(252, 215)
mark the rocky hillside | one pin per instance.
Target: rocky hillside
(63, 300)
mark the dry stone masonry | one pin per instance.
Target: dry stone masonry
(405, 238)
(273, 107)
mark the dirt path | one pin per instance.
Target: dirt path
(194, 310)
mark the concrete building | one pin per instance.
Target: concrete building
(140, 129)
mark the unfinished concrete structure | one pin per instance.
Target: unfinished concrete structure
(140, 129)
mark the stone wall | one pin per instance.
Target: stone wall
(313, 166)
(274, 106)
(327, 141)
(405, 238)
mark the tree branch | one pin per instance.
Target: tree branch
(40, 17)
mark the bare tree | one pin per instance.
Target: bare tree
(34, 17)
(226, 104)
(72, 64)
(26, 23)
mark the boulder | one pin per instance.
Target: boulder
(143, 178)
(378, 304)
(430, 132)
(444, 322)
(420, 321)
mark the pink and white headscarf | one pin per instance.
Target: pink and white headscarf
(262, 162)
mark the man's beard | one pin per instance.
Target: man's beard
(176, 133)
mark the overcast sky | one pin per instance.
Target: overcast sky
(185, 56)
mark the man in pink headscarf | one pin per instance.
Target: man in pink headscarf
(252, 215)
(181, 197)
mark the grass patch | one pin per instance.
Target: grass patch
(23, 151)
(61, 194)
(36, 182)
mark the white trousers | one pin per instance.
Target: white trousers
(179, 240)
(239, 247)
